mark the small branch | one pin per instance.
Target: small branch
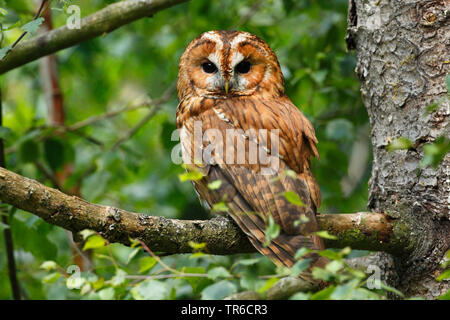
(49, 175)
(102, 22)
(37, 15)
(372, 231)
(166, 96)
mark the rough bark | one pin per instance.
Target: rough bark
(102, 22)
(403, 53)
(372, 231)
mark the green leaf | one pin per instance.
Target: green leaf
(322, 274)
(197, 255)
(435, 152)
(445, 296)
(334, 266)
(325, 235)
(301, 252)
(267, 285)
(401, 143)
(12, 26)
(249, 280)
(300, 266)
(75, 282)
(340, 130)
(333, 255)
(49, 265)
(219, 290)
(391, 289)
(146, 264)
(218, 272)
(302, 219)
(323, 294)
(319, 76)
(28, 151)
(248, 262)
(94, 242)
(3, 226)
(190, 176)
(342, 292)
(290, 173)
(106, 294)
(215, 185)
(3, 12)
(51, 278)
(197, 246)
(197, 283)
(132, 255)
(272, 231)
(54, 153)
(5, 133)
(86, 288)
(4, 51)
(33, 26)
(443, 275)
(150, 290)
(299, 296)
(220, 207)
(293, 198)
(119, 278)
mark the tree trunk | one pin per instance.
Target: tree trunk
(403, 54)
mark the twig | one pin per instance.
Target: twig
(157, 104)
(166, 96)
(37, 15)
(74, 128)
(167, 276)
(49, 175)
(251, 12)
(97, 24)
(165, 266)
(109, 114)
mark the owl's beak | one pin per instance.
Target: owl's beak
(227, 87)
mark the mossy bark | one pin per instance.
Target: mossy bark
(403, 53)
(172, 236)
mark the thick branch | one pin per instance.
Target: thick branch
(372, 231)
(97, 24)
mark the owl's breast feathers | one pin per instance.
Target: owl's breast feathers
(250, 195)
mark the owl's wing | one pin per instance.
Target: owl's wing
(252, 196)
(297, 136)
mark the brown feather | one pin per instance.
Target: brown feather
(250, 195)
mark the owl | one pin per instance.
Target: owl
(250, 143)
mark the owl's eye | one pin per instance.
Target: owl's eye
(209, 67)
(243, 67)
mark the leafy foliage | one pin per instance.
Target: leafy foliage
(128, 66)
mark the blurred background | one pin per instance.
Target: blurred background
(125, 160)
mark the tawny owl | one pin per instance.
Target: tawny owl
(233, 114)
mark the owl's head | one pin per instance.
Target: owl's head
(229, 63)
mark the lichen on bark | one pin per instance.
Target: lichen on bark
(403, 54)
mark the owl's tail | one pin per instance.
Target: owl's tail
(281, 250)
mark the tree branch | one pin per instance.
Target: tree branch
(97, 24)
(370, 231)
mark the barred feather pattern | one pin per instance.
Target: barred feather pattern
(251, 196)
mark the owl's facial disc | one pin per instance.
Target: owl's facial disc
(228, 80)
(226, 73)
(229, 63)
